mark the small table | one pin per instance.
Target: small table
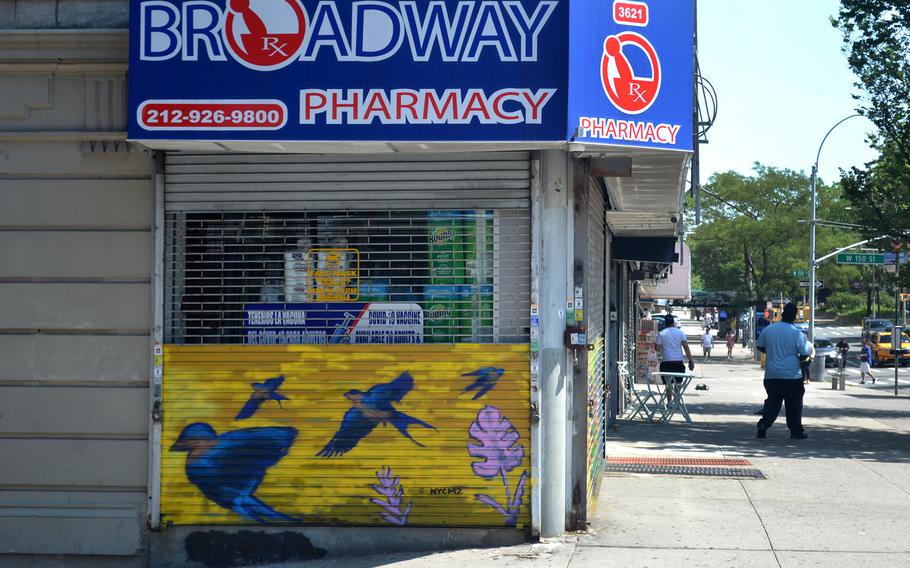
(672, 400)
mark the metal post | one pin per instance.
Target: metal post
(553, 245)
(153, 509)
(897, 343)
(812, 221)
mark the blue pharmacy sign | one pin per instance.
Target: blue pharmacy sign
(412, 70)
(336, 70)
(631, 73)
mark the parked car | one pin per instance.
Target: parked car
(882, 350)
(825, 347)
(873, 325)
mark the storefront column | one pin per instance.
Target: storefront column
(554, 220)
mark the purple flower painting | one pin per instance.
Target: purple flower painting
(393, 498)
(499, 453)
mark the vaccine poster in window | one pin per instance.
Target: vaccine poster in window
(332, 323)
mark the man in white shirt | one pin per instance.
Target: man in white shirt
(707, 342)
(671, 342)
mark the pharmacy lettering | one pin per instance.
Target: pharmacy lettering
(332, 70)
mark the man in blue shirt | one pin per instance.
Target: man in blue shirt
(783, 344)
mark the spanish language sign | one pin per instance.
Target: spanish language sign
(332, 323)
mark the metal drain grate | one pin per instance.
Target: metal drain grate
(684, 470)
(678, 461)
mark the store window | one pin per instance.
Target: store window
(329, 277)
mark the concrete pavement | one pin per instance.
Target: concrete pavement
(839, 498)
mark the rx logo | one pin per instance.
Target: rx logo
(264, 34)
(627, 91)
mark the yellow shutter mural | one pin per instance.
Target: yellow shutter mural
(346, 434)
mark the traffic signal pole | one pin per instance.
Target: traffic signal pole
(813, 220)
(812, 262)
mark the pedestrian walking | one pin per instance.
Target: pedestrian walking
(671, 343)
(707, 343)
(783, 344)
(865, 362)
(731, 341)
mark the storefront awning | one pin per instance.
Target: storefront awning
(677, 285)
(645, 249)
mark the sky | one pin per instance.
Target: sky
(782, 82)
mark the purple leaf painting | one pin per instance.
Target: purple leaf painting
(497, 444)
(393, 493)
(497, 448)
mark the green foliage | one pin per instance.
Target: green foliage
(847, 304)
(876, 42)
(751, 240)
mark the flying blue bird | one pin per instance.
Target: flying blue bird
(370, 409)
(486, 379)
(261, 393)
(229, 468)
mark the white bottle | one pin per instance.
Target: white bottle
(298, 283)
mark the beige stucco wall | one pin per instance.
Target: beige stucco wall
(75, 309)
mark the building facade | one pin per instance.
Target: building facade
(321, 270)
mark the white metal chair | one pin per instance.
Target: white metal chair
(644, 402)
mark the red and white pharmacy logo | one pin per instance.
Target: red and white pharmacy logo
(264, 34)
(630, 90)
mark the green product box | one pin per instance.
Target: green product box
(439, 313)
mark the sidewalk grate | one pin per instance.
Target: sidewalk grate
(678, 461)
(684, 470)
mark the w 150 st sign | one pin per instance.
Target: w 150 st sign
(348, 70)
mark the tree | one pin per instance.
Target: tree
(876, 42)
(752, 241)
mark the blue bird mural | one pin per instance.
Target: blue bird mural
(370, 409)
(261, 393)
(229, 468)
(485, 379)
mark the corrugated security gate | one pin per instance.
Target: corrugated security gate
(595, 289)
(347, 340)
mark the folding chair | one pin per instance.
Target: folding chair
(644, 401)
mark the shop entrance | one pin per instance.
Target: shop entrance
(347, 340)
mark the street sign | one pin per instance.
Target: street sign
(860, 258)
(805, 283)
(801, 273)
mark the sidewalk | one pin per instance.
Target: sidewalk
(839, 498)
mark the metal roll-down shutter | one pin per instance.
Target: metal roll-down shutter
(266, 382)
(595, 284)
(231, 182)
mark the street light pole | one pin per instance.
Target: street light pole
(812, 222)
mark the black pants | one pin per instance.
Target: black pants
(672, 367)
(804, 369)
(780, 391)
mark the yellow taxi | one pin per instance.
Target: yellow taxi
(882, 351)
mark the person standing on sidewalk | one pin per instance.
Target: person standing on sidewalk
(731, 341)
(783, 344)
(671, 342)
(707, 343)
